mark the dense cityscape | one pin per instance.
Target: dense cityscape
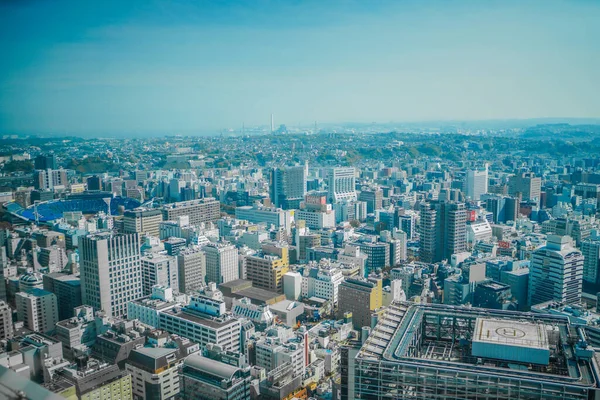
(329, 264)
(300, 200)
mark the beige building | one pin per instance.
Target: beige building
(525, 184)
(207, 209)
(360, 297)
(142, 221)
(267, 268)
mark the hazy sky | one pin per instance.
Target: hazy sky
(109, 66)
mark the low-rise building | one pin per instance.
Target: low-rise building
(204, 378)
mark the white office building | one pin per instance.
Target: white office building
(258, 214)
(556, 272)
(37, 309)
(341, 184)
(111, 271)
(159, 269)
(221, 262)
(477, 183)
(321, 281)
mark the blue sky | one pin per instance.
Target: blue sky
(176, 66)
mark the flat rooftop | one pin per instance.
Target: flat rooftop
(481, 341)
(512, 333)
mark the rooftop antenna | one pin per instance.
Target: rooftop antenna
(272, 124)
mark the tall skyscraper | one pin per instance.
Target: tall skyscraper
(477, 183)
(221, 263)
(111, 272)
(341, 184)
(556, 272)
(443, 230)
(288, 186)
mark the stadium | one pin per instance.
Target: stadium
(87, 203)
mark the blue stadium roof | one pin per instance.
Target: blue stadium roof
(54, 209)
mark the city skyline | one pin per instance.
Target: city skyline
(178, 67)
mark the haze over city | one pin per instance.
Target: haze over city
(73, 67)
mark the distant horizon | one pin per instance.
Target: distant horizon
(432, 124)
(112, 66)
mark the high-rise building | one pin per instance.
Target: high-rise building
(221, 262)
(360, 297)
(142, 221)
(398, 241)
(525, 184)
(556, 272)
(111, 271)
(511, 209)
(6, 323)
(443, 230)
(341, 184)
(159, 269)
(288, 186)
(191, 264)
(37, 309)
(47, 161)
(201, 210)
(477, 183)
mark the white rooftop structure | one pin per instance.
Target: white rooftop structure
(511, 340)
